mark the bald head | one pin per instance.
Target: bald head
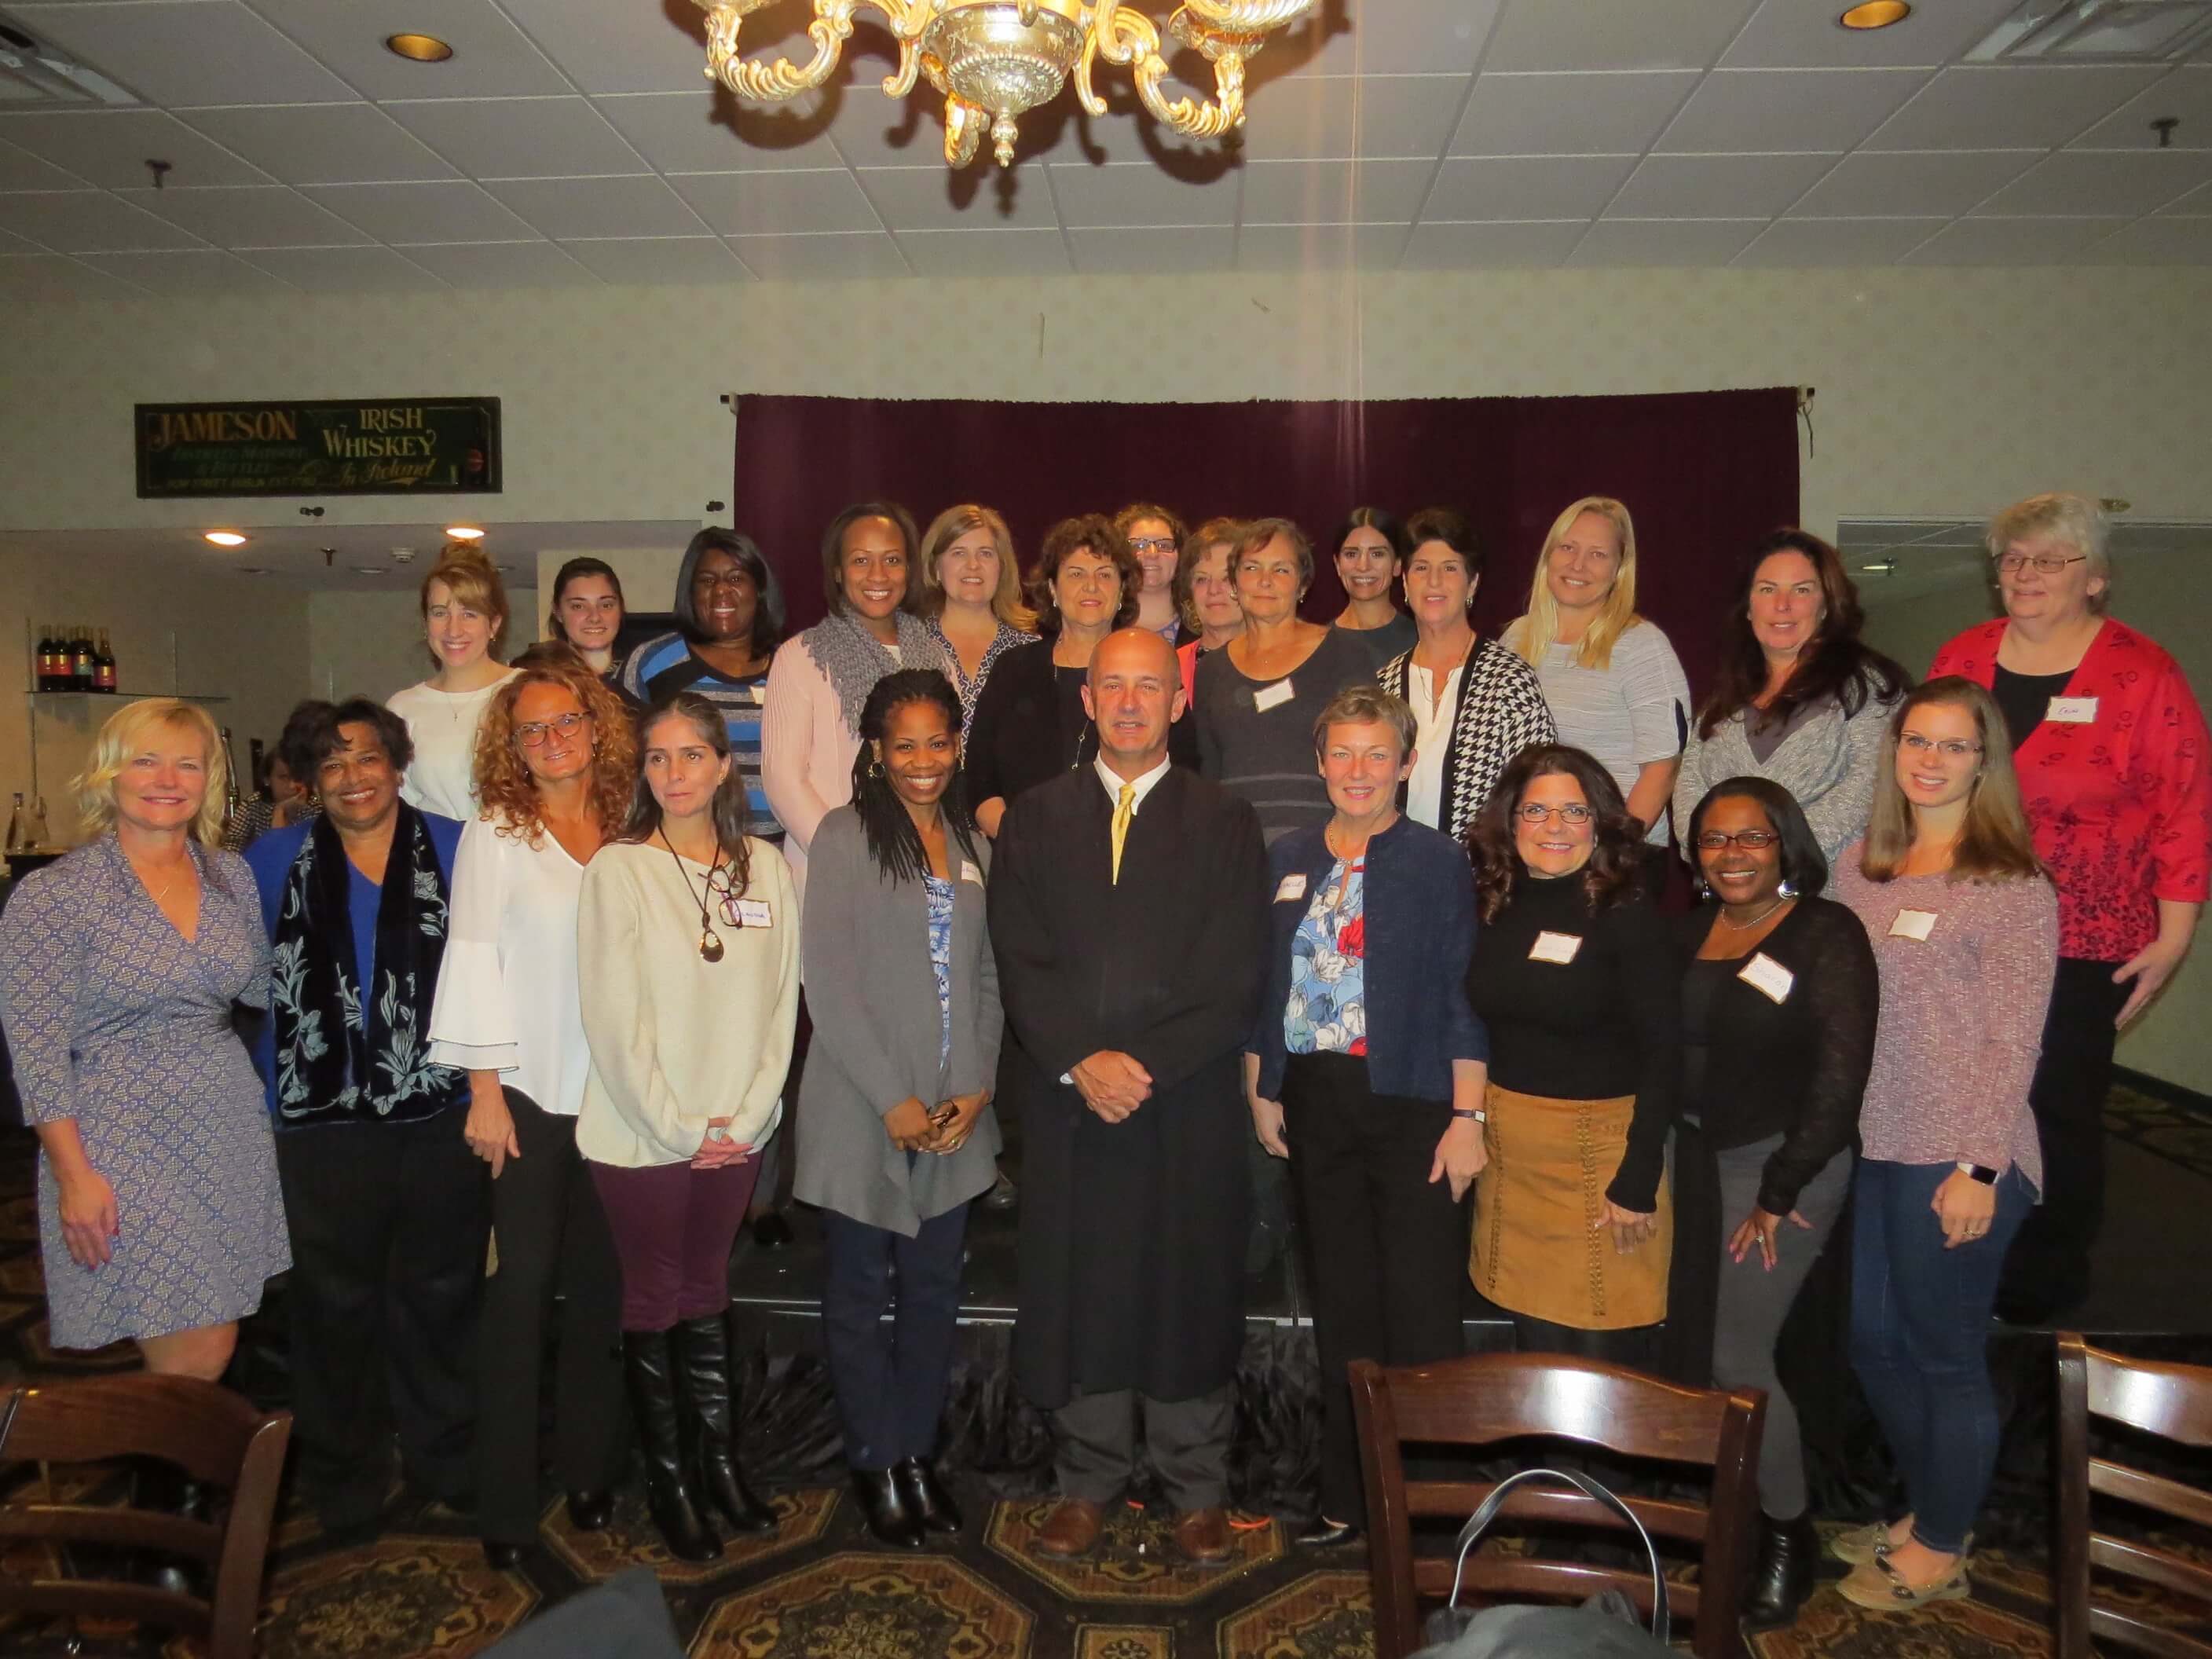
(1134, 693)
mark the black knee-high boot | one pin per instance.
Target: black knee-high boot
(703, 1347)
(677, 1506)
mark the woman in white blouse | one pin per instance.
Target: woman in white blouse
(464, 613)
(688, 936)
(555, 767)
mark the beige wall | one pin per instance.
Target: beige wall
(372, 643)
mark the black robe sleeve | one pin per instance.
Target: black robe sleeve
(1040, 997)
(1843, 975)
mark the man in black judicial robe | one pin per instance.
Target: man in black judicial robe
(1131, 984)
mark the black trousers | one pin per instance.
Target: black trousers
(553, 1239)
(1387, 1248)
(388, 1225)
(1186, 1441)
(891, 1375)
(2047, 1271)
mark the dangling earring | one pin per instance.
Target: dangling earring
(875, 768)
(1787, 889)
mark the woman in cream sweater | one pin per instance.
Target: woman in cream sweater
(688, 939)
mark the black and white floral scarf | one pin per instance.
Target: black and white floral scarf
(341, 1054)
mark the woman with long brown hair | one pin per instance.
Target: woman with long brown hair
(555, 766)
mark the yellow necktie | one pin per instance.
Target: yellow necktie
(1124, 810)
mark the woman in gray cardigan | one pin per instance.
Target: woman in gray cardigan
(1799, 699)
(896, 1132)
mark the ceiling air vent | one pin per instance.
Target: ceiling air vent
(2096, 32)
(33, 73)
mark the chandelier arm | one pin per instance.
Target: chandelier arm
(765, 83)
(963, 131)
(1224, 112)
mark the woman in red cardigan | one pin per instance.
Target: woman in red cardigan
(2110, 748)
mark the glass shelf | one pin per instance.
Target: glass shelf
(132, 696)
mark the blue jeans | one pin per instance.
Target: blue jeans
(1920, 1327)
(891, 1376)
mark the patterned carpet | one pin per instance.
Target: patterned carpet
(820, 1589)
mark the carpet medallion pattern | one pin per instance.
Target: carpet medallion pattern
(869, 1606)
(1135, 1560)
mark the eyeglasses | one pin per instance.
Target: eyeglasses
(532, 734)
(2047, 564)
(1950, 748)
(1152, 544)
(1752, 840)
(1534, 812)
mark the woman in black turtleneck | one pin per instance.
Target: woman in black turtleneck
(1576, 977)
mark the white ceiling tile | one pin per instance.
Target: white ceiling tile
(709, 130)
(1378, 37)
(2165, 242)
(21, 170)
(1569, 114)
(1805, 34)
(2197, 202)
(1319, 247)
(821, 258)
(205, 271)
(87, 221)
(323, 144)
(790, 202)
(1601, 34)
(502, 264)
(110, 147)
(247, 215)
(1334, 192)
(1789, 109)
(1526, 187)
(2010, 106)
(454, 210)
(519, 137)
(2010, 242)
(1879, 184)
(2185, 94)
(11, 244)
(2103, 182)
(616, 48)
(203, 51)
(491, 58)
(986, 252)
(1303, 115)
(1716, 187)
(1138, 193)
(1838, 242)
(50, 276)
(937, 199)
(344, 270)
(566, 209)
(1664, 241)
(701, 260)
(1153, 250)
(1539, 243)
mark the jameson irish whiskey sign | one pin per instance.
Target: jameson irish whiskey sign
(411, 447)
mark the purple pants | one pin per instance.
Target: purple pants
(674, 1227)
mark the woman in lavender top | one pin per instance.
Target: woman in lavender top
(1965, 924)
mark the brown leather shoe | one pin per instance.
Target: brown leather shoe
(1203, 1536)
(1071, 1529)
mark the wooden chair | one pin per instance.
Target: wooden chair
(212, 1434)
(1488, 1398)
(2157, 1396)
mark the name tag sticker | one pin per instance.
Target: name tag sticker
(1913, 924)
(1555, 947)
(969, 873)
(1291, 887)
(1271, 697)
(754, 913)
(2072, 711)
(760, 691)
(1764, 974)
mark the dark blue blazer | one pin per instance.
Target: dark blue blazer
(1419, 893)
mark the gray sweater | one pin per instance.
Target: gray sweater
(1827, 762)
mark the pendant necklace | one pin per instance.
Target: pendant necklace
(710, 942)
(1746, 926)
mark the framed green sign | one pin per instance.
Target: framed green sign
(394, 447)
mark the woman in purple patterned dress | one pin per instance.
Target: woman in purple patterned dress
(159, 1214)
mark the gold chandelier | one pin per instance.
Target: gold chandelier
(993, 59)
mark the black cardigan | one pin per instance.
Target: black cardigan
(1796, 1068)
(1029, 727)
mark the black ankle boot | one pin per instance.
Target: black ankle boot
(1782, 1577)
(160, 1486)
(883, 1505)
(926, 1496)
(703, 1347)
(668, 1492)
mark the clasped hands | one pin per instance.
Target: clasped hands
(1112, 1083)
(913, 1128)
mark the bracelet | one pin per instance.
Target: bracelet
(1476, 1114)
(1980, 1172)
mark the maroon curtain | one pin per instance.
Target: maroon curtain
(1704, 473)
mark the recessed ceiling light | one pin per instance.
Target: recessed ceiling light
(1875, 14)
(368, 570)
(224, 537)
(422, 48)
(463, 532)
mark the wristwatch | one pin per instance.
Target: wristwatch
(1980, 1172)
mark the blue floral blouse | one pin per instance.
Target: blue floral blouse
(1327, 1013)
(940, 956)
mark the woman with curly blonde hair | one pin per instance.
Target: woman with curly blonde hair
(556, 765)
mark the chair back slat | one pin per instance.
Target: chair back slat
(2151, 1492)
(1685, 1523)
(95, 1523)
(1584, 1400)
(1489, 1577)
(199, 1427)
(2151, 1564)
(107, 1598)
(2163, 1397)
(2125, 1630)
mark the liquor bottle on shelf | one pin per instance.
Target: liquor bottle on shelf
(103, 666)
(19, 827)
(42, 678)
(80, 658)
(40, 834)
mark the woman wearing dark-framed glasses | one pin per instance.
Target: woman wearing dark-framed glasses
(1779, 994)
(2110, 748)
(1575, 977)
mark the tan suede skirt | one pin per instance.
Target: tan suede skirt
(1538, 1250)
